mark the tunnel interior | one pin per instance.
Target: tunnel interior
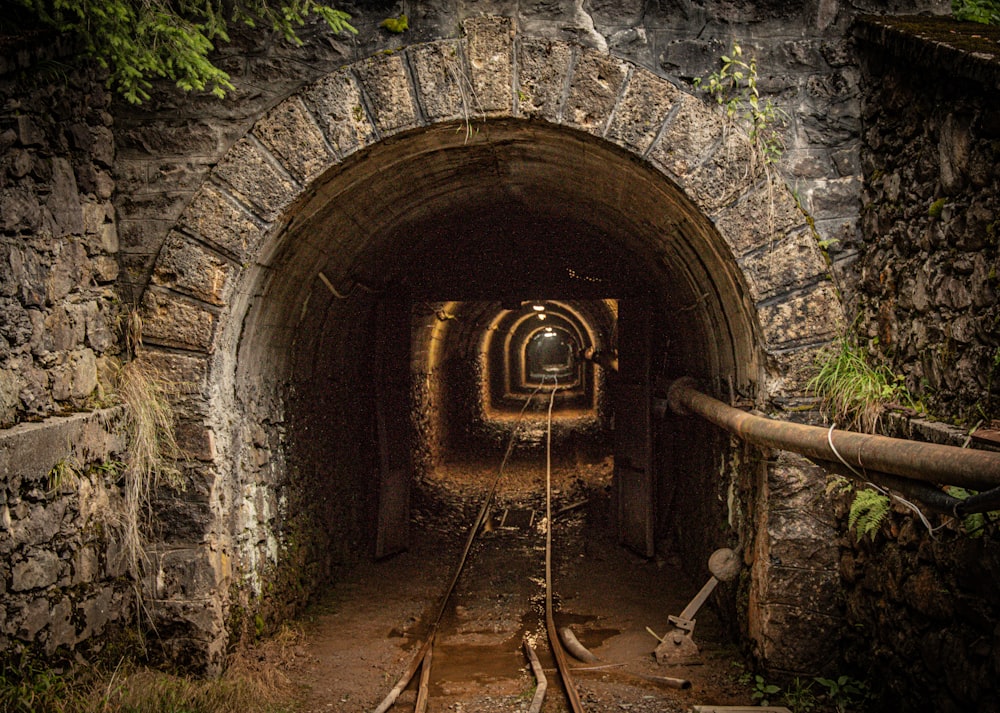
(425, 299)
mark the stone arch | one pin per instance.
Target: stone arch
(260, 246)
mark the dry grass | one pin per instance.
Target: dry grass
(254, 682)
(152, 451)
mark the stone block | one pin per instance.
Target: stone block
(188, 268)
(444, 87)
(812, 315)
(76, 378)
(740, 223)
(98, 610)
(809, 589)
(64, 200)
(19, 210)
(255, 179)
(32, 449)
(542, 68)
(336, 102)
(643, 109)
(691, 135)
(289, 132)
(32, 618)
(593, 92)
(793, 482)
(185, 574)
(801, 540)
(196, 441)
(62, 632)
(169, 320)
(217, 218)
(40, 570)
(490, 47)
(787, 263)
(387, 85)
(799, 640)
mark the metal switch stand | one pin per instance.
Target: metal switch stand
(678, 646)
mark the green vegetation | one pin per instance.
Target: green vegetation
(140, 40)
(252, 683)
(986, 12)
(396, 25)
(868, 510)
(734, 87)
(844, 692)
(854, 393)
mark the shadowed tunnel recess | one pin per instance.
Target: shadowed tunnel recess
(392, 298)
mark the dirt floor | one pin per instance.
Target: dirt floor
(375, 618)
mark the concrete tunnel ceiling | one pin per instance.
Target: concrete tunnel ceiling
(520, 211)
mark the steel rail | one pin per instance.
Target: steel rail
(926, 462)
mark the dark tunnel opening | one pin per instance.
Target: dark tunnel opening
(400, 340)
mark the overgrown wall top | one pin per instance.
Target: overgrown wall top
(927, 278)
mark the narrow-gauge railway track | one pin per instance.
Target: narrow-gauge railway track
(491, 569)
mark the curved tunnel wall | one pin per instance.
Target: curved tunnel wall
(372, 184)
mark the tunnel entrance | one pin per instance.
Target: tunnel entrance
(349, 303)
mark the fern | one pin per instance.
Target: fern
(868, 511)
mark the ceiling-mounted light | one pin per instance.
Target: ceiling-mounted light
(538, 308)
(541, 315)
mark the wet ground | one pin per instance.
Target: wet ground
(377, 616)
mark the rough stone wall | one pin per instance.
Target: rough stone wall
(64, 577)
(928, 278)
(928, 606)
(58, 238)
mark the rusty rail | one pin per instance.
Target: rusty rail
(910, 460)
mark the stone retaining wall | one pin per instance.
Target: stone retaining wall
(925, 608)
(64, 577)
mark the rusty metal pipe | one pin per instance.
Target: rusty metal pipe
(928, 462)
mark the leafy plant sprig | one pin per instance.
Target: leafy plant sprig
(734, 87)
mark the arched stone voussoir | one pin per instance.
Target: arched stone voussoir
(812, 315)
(542, 68)
(386, 83)
(444, 89)
(256, 180)
(594, 89)
(727, 173)
(642, 110)
(490, 49)
(786, 263)
(292, 135)
(171, 320)
(789, 371)
(186, 267)
(692, 134)
(765, 213)
(337, 103)
(218, 219)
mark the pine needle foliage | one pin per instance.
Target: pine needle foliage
(141, 40)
